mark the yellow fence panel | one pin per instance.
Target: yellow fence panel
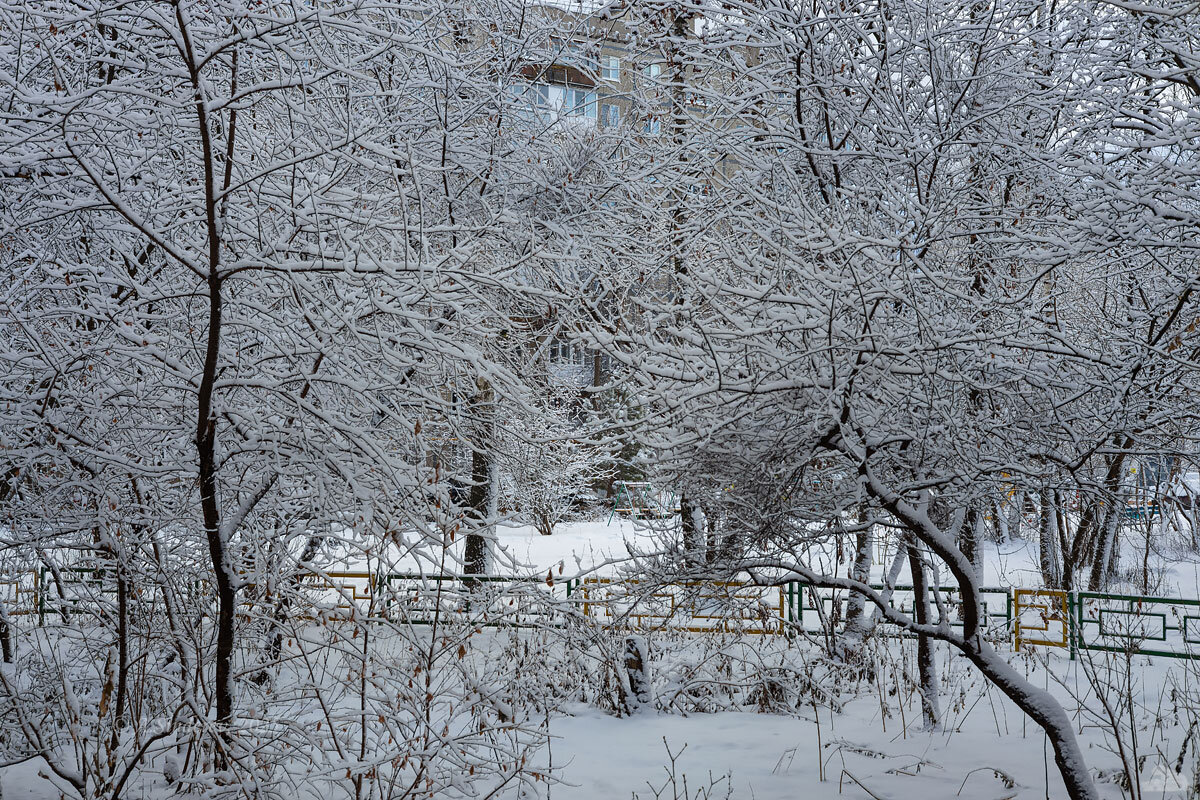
(1041, 616)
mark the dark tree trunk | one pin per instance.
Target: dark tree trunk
(224, 570)
(122, 646)
(218, 550)
(6, 637)
(476, 556)
(1047, 714)
(715, 549)
(970, 540)
(1039, 704)
(693, 533)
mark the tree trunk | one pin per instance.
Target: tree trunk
(1048, 540)
(282, 605)
(122, 648)
(1016, 514)
(224, 573)
(926, 665)
(716, 547)
(1044, 710)
(693, 531)
(858, 621)
(1102, 557)
(218, 547)
(637, 672)
(1039, 704)
(1001, 522)
(971, 540)
(870, 619)
(6, 637)
(477, 553)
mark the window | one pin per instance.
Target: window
(532, 100)
(612, 69)
(581, 103)
(652, 126)
(610, 116)
(653, 70)
(584, 60)
(535, 94)
(576, 54)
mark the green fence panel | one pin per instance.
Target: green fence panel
(996, 606)
(1168, 627)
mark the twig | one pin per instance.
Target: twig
(1004, 777)
(847, 773)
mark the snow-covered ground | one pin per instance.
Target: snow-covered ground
(874, 748)
(985, 743)
(578, 546)
(771, 757)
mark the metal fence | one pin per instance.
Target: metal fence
(697, 606)
(1075, 621)
(1153, 626)
(815, 609)
(92, 591)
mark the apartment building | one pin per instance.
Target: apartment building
(604, 71)
(596, 74)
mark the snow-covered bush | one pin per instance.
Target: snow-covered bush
(551, 466)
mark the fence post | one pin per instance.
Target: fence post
(1008, 615)
(1074, 606)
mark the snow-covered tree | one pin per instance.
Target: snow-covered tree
(254, 255)
(913, 292)
(551, 465)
